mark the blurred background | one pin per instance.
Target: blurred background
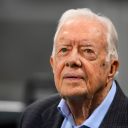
(27, 28)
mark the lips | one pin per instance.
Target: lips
(73, 76)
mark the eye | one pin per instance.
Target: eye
(64, 50)
(89, 51)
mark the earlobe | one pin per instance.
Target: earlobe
(113, 69)
(52, 63)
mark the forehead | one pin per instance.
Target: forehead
(82, 29)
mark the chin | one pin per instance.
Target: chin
(73, 95)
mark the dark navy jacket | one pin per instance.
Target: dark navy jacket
(44, 114)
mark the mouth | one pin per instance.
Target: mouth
(73, 77)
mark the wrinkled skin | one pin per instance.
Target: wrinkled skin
(82, 75)
(79, 64)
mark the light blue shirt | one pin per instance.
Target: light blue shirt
(94, 119)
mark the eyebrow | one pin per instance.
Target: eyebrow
(83, 42)
(87, 45)
(62, 44)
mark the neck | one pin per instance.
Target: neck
(82, 107)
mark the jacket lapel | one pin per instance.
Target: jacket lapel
(117, 114)
(54, 122)
(51, 118)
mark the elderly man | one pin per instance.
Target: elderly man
(84, 62)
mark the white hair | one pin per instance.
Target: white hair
(112, 37)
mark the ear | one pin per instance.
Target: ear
(52, 63)
(113, 69)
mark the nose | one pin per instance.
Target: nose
(73, 60)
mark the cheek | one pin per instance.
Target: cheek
(97, 70)
(59, 65)
(92, 70)
(58, 68)
(95, 77)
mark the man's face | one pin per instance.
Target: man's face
(79, 63)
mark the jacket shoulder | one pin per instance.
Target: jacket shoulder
(53, 99)
(40, 112)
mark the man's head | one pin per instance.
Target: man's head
(84, 57)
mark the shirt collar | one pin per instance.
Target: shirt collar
(100, 111)
(63, 108)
